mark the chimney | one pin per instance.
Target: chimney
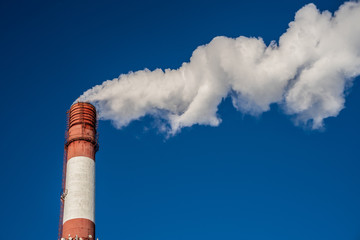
(78, 198)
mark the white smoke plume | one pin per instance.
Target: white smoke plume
(306, 73)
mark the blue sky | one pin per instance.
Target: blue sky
(250, 178)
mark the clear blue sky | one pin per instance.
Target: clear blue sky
(248, 179)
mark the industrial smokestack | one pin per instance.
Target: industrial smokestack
(78, 198)
(306, 73)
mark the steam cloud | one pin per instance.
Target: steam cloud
(306, 73)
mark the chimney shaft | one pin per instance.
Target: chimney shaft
(79, 195)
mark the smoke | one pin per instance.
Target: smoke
(306, 73)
